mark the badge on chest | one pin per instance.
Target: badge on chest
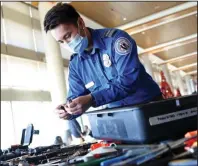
(106, 60)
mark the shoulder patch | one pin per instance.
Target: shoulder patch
(109, 33)
(123, 46)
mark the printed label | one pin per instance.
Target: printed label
(172, 116)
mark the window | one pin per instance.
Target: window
(36, 25)
(7, 126)
(40, 114)
(43, 76)
(18, 25)
(23, 73)
(5, 77)
(2, 28)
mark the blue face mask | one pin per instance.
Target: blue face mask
(78, 44)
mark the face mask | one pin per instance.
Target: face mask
(78, 44)
(65, 45)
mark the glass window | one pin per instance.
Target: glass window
(23, 72)
(18, 25)
(42, 116)
(5, 77)
(7, 126)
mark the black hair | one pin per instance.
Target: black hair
(59, 14)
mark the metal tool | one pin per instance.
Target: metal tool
(154, 153)
(69, 116)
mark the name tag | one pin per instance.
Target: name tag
(89, 85)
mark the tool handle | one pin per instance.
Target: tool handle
(114, 160)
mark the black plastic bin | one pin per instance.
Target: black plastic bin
(146, 123)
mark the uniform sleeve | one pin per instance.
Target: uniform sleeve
(124, 53)
(76, 87)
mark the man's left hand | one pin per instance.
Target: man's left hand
(79, 105)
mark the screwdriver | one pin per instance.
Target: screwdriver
(94, 162)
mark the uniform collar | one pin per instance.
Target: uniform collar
(97, 43)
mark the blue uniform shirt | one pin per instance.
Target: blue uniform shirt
(111, 72)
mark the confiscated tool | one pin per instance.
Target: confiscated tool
(43, 149)
(60, 153)
(97, 153)
(96, 162)
(154, 153)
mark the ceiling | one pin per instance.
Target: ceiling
(178, 51)
(193, 68)
(112, 14)
(173, 34)
(183, 62)
(167, 32)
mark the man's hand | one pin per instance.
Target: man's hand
(61, 111)
(79, 105)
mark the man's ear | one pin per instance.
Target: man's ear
(81, 23)
(82, 28)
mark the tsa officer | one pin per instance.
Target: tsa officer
(104, 69)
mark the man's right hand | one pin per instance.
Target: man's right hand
(61, 111)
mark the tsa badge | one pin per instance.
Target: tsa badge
(106, 60)
(123, 46)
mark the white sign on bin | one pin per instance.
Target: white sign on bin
(172, 116)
